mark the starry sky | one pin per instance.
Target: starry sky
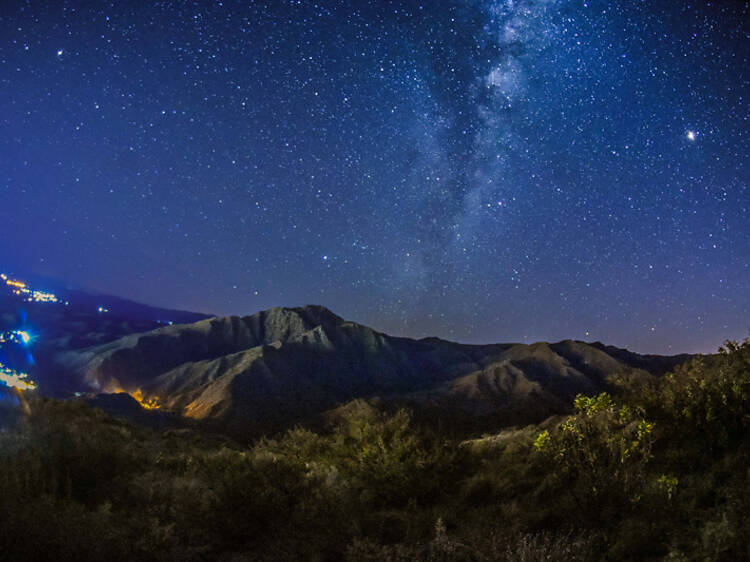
(478, 170)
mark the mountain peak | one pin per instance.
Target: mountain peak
(312, 313)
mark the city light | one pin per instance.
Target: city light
(23, 335)
(16, 336)
(11, 377)
(21, 289)
(15, 379)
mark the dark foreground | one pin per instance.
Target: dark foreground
(652, 469)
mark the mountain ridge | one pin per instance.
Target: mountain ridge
(283, 365)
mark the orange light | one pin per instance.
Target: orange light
(151, 403)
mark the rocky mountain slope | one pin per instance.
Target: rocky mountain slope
(287, 364)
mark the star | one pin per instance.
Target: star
(471, 142)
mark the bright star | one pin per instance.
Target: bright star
(691, 135)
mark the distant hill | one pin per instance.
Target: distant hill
(288, 364)
(77, 321)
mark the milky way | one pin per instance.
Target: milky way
(480, 171)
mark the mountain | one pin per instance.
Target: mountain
(287, 364)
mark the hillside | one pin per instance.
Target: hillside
(653, 471)
(57, 319)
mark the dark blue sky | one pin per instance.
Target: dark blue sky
(509, 170)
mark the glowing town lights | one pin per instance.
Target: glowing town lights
(41, 296)
(21, 289)
(8, 376)
(151, 403)
(23, 335)
(16, 336)
(15, 379)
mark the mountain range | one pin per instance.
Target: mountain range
(286, 365)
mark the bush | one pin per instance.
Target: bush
(656, 470)
(599, 455)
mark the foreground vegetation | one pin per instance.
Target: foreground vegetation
(655, 469)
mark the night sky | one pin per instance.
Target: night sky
(481, 171)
